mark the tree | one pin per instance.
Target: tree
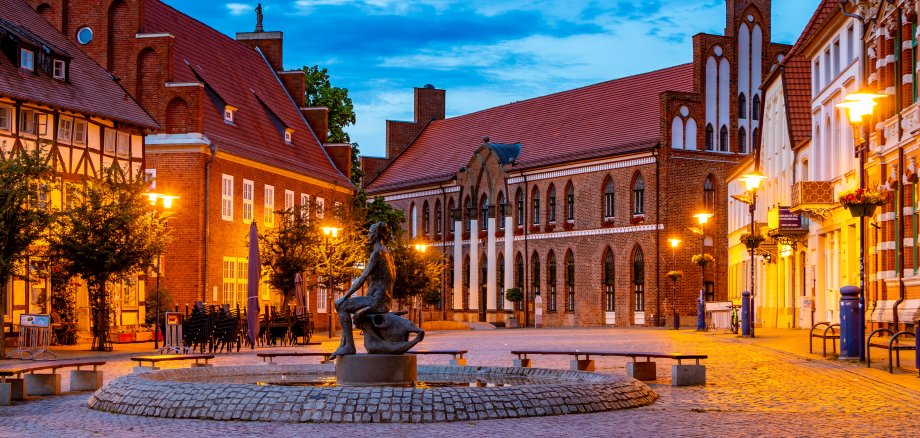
(319, 91)
(286, 250)
(417, 273)
(110, 232)
(25, 179)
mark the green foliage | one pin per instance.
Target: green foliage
(431, 297)
(25, 180)
(286, 250)
(416, 272)
(514, 294)
(150, 305)
(379, 211)
(110, 232)
(319, 91)
(64, 300)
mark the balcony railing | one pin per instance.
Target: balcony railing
(813, 199)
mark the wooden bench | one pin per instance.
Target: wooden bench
(681, 375)
(271, 356)
(458, 359)
(154, 359)
(822, 329)
(18, 381)
(892, 344)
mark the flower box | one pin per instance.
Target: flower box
(143, 336)
(550, 227)
(519, 231)
(450, 236)
(568, 226)
(534, 229)
(862, 210)
(466, 235)
(607, 223)
(499, 233)
(123, 338)
(483, 234)
(637, 219)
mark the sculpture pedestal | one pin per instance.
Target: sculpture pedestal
(376, 370)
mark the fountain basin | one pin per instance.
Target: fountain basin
(210, 393)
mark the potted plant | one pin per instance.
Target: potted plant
(751, 241)
(863, 202)
(702, 259)
(515, 295)
(675, 275)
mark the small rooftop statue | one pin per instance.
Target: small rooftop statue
(259, 17)
(385, 332)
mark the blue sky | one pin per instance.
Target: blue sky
(483, 52)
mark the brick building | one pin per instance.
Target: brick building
(573, 196)
(236, 143)
(55, 97)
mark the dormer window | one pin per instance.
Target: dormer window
(60, 69)
(229, 114)
(27, 59)
(288, 135)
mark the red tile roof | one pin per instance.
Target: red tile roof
(796, 77)
(90, 90)
(242, 78)
(612, 117)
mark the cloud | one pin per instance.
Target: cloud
(239, 8)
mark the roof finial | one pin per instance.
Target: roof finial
(259, 18)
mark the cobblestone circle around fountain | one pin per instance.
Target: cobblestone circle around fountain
(180, 393)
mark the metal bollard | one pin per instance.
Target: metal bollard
(746, 313)
(701, 314)
(917, 346)
(850, 337)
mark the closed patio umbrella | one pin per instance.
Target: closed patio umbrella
(255, 268)
(298, 293)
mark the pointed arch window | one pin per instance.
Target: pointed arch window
(551, 281)
(638, 196)
(520, 207)
(466, 282)
(468, 214)
(519, 276)
(536, 206)
(452, 210)
(484, 213)
(500, 281)
(450, 275)
(755, 110)
(551, 204)
(570, 282)
(500, 205)
(754, 138)
(535, 273)
(723, 139)
(709, 195)
(639, 280)
(426, 219)
(710, 138)
(742, 106)
(742, 141)
(438, 217)
(413, 224)
(608, 199)
(609, 275)
(570, 203)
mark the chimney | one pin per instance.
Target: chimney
(340, 153)
(429, 104)
(318, 119)
(268, 42)
(293, 83)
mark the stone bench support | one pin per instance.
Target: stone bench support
(140, 369)
(582, 365)
(85, 380)
(688, 375)
(43, 384)
(522, 363)
(460, 362)
(642, 370)
(6, 394)
(17, 388)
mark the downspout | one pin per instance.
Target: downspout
(657, 154)
(526, 253)
(899, 201)
(443, 252)
(207, 227)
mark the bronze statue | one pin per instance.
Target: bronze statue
(259, 18)
(384, 332)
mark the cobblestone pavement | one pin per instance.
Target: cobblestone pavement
(755, 388)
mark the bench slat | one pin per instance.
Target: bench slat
(10, 370)
(170, 357)
(611, 353)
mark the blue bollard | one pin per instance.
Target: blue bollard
(701, 314)
(746, 313)
(917, 347)
(850, 337)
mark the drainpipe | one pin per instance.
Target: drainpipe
(656, 153)
(899, 201)
(526, 253)
(207, 227)
(444, 251)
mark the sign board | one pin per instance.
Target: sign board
(789, 220)
(808, 303)
(173, 318)
(34, 320)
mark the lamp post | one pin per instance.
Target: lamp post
(330, 233)
(674, 244)
(702, 218)
(859, 108)
(167, 204)
(422, 248)
(752, 183)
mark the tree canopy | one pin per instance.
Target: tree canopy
(319, 91)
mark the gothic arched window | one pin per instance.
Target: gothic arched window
(742, 106)
(710, 138)
(638, 195)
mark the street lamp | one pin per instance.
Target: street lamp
(674, 244)
(702, 218)
(420, 247)
(330, 233)
(859, 108)
(752, 183)
(167, 204)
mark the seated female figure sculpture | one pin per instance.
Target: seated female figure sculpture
(384, 332)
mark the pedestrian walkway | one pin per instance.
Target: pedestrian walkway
(756, 387)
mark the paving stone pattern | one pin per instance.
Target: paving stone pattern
(176, 394)
(752, 390)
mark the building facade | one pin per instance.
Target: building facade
(573, 196)
(55, 98)
(235, 142)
